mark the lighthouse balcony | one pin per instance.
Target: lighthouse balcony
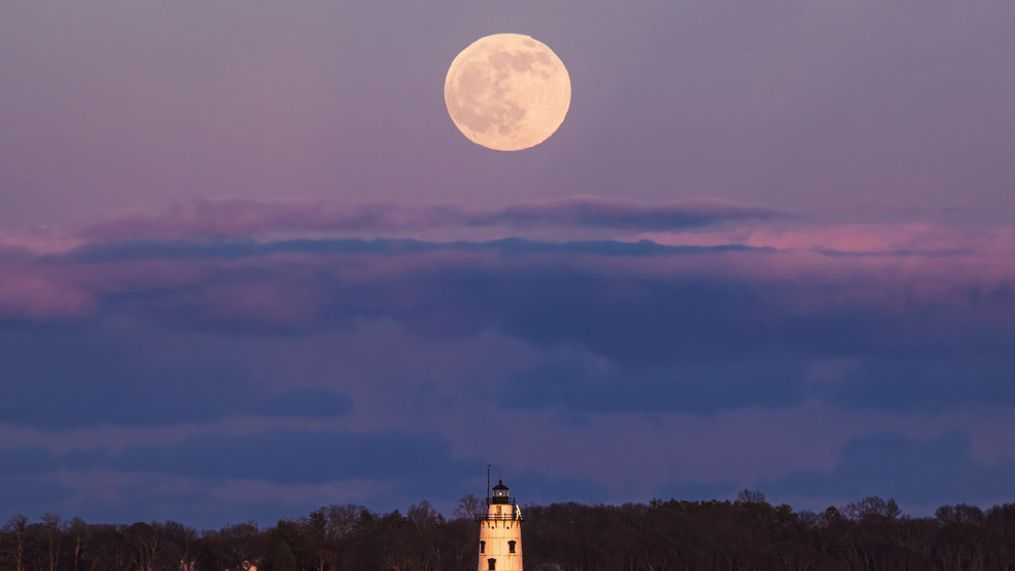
(499, 517)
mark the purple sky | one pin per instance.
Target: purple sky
(248, 266)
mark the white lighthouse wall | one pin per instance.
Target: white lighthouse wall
(497, 533)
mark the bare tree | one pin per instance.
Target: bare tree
(144, 546)
(342, 520)
(424, 516)
(468, 507)
(78, 530)
(18, 527)
(51, 525)
(316, 525)
(872, 507)
(746, 496)
(245, 540)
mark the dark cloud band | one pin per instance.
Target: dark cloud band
(235, 218)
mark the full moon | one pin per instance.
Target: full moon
(507, 92)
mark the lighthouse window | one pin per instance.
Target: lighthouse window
(511, 546)
(482, 547)
(491, 564)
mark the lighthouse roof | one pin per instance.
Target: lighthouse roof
(500, 485)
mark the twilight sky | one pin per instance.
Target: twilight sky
(248, 266)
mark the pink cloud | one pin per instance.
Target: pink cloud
(44, 276)
(915, 237)
(27, 295)
(37, 242)
(284, 289)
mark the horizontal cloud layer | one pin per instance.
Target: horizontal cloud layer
(235, 218)
(216, 338)
(719, 326)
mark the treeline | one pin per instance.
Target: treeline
(748, 533)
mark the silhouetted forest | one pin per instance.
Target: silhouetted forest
(748, 533)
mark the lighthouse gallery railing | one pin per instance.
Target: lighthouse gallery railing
(498, 517)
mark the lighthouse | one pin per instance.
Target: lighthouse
(500, 532)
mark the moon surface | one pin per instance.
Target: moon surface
(507, 92)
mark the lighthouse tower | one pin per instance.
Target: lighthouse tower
(500, 532)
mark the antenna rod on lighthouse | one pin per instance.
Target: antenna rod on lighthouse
(488, 466)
